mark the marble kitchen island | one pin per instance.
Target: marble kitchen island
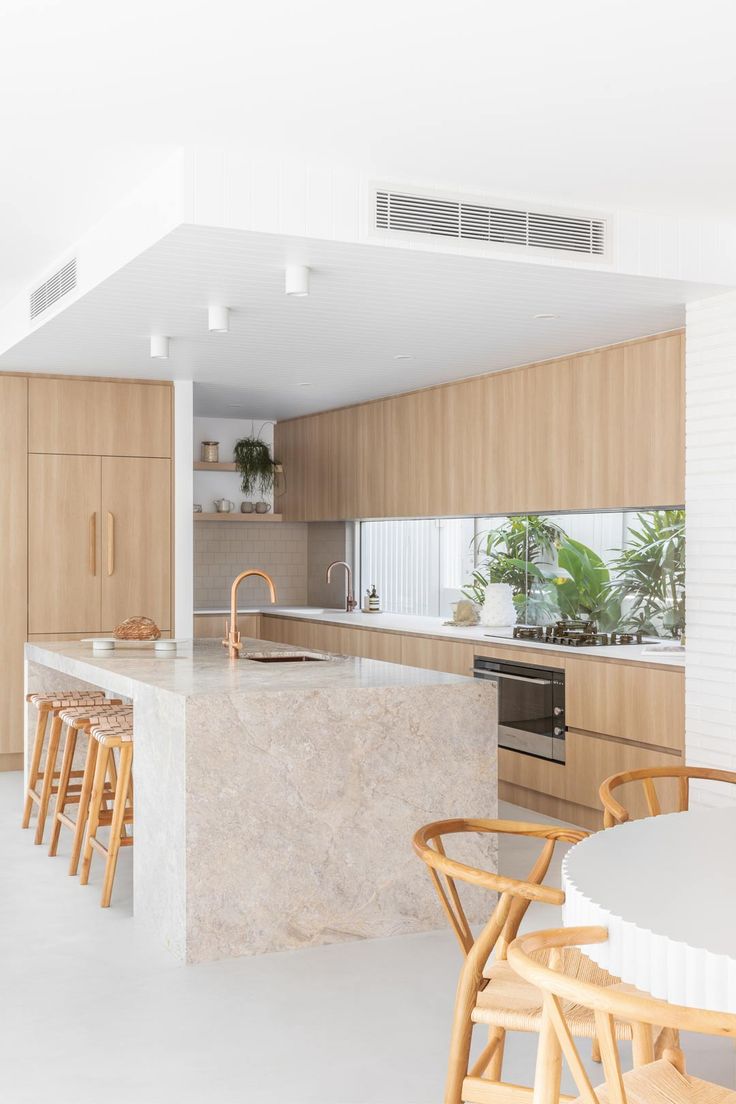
(275, 802)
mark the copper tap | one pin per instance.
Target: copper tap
(350, 602)
(232, 633)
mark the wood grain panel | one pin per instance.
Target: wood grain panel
(64, 544)
(136, 540)
(13, 560)
(102, 418)
(631, 702)
(598, 430)
(212, 626)
(437, 655)
(589, 760)
(369, 644)
(283, 631)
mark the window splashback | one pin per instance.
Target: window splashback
(623, 570)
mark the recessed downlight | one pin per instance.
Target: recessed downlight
(544, 317)
(403, 356)
(305, 385)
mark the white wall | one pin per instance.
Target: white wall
(710, 500)
(183, 528)
(209, 486)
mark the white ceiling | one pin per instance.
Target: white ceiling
(591, 105)
(454, 316)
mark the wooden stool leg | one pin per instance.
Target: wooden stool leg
(496, 1035)
(116, 824)
(548, 1072)
(95, 802)
(48, 777)
(642, 1044)
(84, 799)
(595, 1050)
(67, 760)
(34, 771)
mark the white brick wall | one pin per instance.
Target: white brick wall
(710, 500)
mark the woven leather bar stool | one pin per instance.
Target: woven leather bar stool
(80, 718)
(122, 719)
(41, 782)
(110, 739)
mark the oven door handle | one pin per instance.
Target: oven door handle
(517, 678)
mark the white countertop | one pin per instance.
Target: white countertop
(203, 667)
(435, 626)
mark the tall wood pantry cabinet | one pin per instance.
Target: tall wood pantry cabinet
(86, 474)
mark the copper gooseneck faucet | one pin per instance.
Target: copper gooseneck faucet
(350, 602)
(232, 633)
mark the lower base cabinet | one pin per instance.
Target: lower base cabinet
(621, 715)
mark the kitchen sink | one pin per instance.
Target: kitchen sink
(284, 657)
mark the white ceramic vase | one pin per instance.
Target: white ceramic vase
(498, 610)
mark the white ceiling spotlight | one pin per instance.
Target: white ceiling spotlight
(218, 319)
(159, 347)
(544, 317)
(297, 280)
(403, 356)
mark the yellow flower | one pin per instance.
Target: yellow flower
(559, 580)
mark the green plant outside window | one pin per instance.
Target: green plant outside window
(552, 576)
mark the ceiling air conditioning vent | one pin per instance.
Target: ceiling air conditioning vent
(51, 290)
(456, 218)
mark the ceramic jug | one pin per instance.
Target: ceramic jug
(224, 505)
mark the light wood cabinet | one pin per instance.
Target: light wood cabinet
(599, 430)
(437, 655)
(283, 631)
(368, 644)
(103, 526)
(136, 539)
(99, 417)
(64, 543)
(636, 703)
(85, 517)
(211, 626)
(13, 560)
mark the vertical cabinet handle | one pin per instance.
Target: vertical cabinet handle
(93, 543)
(110, 543)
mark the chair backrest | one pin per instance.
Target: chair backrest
(537, 957)
(664, 789)
(515, 894)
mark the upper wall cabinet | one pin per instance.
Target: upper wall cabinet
(600, 430)
(99, 418)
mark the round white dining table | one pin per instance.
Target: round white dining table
(665, 887)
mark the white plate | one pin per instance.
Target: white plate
(110, 643)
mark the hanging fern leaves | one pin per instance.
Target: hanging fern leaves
(255, 464)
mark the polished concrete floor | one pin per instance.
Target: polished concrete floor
(90, 1011)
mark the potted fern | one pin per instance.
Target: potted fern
(256, 466)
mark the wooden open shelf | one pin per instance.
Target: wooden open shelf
(200, 465)
(237, 517)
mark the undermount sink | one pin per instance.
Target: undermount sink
(285, 657)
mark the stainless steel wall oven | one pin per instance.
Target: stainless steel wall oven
(531, 706)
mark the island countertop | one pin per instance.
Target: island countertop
(202, 667)
(275, 803)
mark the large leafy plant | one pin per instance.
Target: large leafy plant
(585, 588)
(650, 574)
(520, 552)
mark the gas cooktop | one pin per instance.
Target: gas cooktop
(575, 634)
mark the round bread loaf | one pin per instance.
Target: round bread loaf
(137, 628)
